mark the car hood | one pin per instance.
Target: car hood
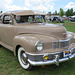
(47, 29)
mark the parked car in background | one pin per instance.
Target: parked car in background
(72, 19)
(34, 41)
(57, 19)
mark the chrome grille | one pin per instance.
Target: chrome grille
(55, 44)
(61, 43)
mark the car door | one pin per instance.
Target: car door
(8, 31)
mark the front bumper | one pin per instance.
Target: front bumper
(55, 61)
(55, 58)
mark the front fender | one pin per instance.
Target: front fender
(28, 42)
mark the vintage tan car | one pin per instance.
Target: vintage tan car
(34, 41)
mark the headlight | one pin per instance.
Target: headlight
(39, 45)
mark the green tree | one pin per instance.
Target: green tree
(61, 12)
(69, 12)
(73, 13)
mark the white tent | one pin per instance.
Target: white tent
(73, 16)
(64, 16)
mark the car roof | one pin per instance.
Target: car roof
(26, 12)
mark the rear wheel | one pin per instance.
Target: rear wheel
(23, 59)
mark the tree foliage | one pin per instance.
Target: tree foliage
(73, 13)
(69, 12)
(61, 12)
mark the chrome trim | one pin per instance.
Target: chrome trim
(53, 45)
(64, 40)
(56, 60)
(59, 42)
(43, 53)
(24, 55)
(51, 61)
(49, 53)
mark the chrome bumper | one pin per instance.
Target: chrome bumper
(54, 61)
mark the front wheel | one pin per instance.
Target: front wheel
(23, 59)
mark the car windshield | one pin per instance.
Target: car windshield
(31, 18)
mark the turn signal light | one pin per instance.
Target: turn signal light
(46, 57)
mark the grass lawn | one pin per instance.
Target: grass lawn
(9, 64)
(70, 26)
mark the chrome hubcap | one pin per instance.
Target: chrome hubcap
(23, 58)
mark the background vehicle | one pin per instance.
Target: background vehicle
(72, 19)
(57, 19)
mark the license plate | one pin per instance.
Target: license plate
(67, 53)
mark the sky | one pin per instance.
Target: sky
(41, 5)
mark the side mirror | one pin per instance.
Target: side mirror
(10, 22)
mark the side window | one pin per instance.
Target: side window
(18, 19)
(21, 19)
(7, 19)
(30, 19)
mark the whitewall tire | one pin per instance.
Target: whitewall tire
(22, 58)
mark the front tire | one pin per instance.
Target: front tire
(22, 58)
